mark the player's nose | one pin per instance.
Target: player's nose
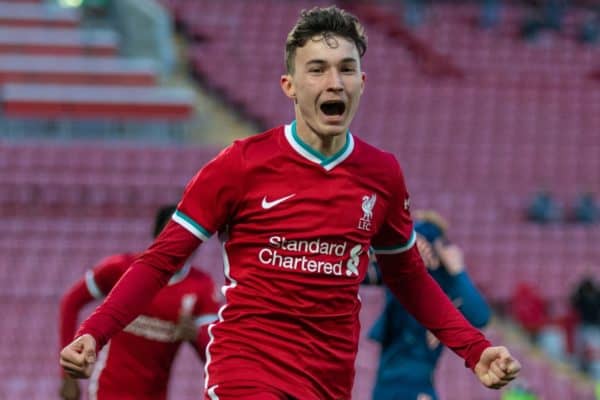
(334, 80)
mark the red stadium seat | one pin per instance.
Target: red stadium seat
(57, 41)
(77, 70)
(79, 101)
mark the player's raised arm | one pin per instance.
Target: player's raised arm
(147, 275)
(404, 272)
(406, 276)
(208, 200)
(94, 285)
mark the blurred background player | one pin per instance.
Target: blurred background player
(137, 362)
(409, 353)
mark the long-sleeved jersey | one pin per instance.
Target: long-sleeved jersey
(296, 228)
(409, 352)
(136, 363)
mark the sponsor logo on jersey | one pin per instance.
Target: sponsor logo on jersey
(312, 256)
(368, 203)
(153, 329)
(270, 204)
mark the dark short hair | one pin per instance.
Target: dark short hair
(163, 215)
(327, 21)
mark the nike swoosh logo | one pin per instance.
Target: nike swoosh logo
(270, 204)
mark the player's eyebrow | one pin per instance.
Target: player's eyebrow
(349, 60)
(318, 61)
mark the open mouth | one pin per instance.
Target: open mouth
(333, 108)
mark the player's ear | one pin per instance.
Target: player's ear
(363, 77)
(287, 85)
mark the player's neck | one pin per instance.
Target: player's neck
(325, 145)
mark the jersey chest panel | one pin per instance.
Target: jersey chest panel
(323, 221)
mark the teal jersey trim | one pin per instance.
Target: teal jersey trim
(324, 160)
(192, 226)
(397, 249)
(313, 155)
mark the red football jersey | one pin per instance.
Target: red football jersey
(136, 363)
(296, 230)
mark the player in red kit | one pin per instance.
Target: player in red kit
(136, 363)
(297, 209)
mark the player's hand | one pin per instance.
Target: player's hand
(497, 367)
(186, 329)
(69, 389)
(428, 254)
(450, 255)
(78, 358)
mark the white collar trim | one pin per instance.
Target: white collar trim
(305, 151)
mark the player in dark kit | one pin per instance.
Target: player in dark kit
(410, 353)
(297, 209)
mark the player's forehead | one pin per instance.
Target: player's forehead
(327, 47)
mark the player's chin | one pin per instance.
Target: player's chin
(333, 125)
(329, 132)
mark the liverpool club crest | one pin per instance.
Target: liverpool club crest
(368, 203)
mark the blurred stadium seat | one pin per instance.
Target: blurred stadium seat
(92, 101)
(77, 70)
(57, 41)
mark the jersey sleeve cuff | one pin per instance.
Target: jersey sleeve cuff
(397, 249)
(100, 342)
(475, 354)
(190, 225)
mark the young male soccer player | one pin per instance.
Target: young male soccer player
(297, 209)
(136, 363)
